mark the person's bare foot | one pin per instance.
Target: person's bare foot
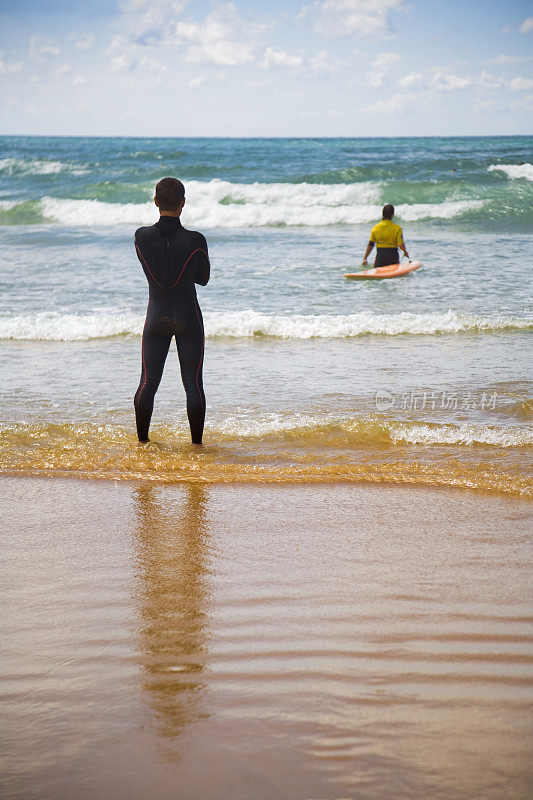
(143, 442)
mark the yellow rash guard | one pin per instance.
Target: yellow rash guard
(386, 234)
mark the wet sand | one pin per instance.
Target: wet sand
(236, 642)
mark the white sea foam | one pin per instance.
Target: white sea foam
(37, 166)
(461, 434)
(272, 424)
(307, 326)
(302, 424)
(54, 326)
(514, 170)
(95, 212)
(220, 204)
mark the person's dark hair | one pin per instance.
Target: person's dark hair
(388, 211)
(169, 193)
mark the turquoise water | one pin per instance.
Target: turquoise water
(293, 349)
(436, 174)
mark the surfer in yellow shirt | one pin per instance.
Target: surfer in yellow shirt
(388, 237)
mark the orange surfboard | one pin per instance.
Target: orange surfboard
(379, 273)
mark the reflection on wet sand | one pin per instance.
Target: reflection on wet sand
(172, 596)
(236, 643)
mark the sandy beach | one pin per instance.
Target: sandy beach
(231, 642)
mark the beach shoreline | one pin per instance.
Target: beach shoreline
(274, 477)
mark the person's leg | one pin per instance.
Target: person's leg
(191, 355)
(154, 353)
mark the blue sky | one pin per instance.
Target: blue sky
(292, 68)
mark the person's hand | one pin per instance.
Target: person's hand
(364, 263)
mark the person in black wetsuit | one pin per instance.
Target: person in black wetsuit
(173, 260)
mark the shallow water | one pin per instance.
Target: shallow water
(317, 410)
(234, 642)
(430, 373)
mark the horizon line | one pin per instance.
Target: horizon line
(203, 136)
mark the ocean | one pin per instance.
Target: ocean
(309, 378)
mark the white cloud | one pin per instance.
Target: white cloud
(443, 81)
(448, 82)
(85, 43)
(415, 80)
(149, 19)
(520, 84)
(345, 17)
(488, 81)
(394, 105)
(438, 81)
(505, 59)
(9, 67)
(60, 70)
(124, 62)
(218, 39)
(526, 26)
(280, 58)
(40, 47)
(79, 80)
(222, 38)
(323, 64)
(127, 57)
(380, 67)
(196, 82)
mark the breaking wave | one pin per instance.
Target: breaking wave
(37, 166)
(57, 327)
(220, 204)
(461, 434)
(374, 429)
(54, 326)
(514, 171)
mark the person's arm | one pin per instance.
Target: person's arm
(401, 244)
(369, 248)
(142, 258)
(203, 267)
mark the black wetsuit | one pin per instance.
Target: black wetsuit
(385, 256)
(173, 260)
